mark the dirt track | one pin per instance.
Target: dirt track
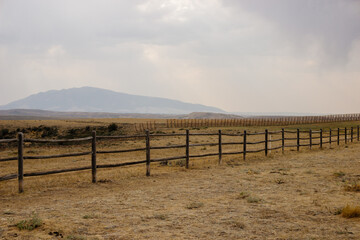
(295, 196)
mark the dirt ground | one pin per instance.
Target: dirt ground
(290, 196)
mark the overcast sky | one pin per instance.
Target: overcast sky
(238, 55)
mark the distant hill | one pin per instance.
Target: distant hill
(31, 114)
(89, 99)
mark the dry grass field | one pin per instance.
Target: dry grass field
(296, 195)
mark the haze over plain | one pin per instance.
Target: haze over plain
(240, 56)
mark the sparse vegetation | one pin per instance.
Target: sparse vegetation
(161, 216)
(219, 200)
(339, 174)
(350, 211)
(253, 199)
(279, 181)
(112, 127)
(237, 224)
(90, 216)
(243, 195)
(75, 237)
(354, 187)
(194, 205)
(30, 224)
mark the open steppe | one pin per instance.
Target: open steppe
(295, 195)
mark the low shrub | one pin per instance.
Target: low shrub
(351, 211)
(112, 127)
(30, 224)
(194, 205)
(355, 187)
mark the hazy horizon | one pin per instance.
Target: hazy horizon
(241, 113)
(266, 56)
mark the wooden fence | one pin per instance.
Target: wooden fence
(260, 121)
(284, 137)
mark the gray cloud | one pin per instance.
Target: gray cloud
(334, 24)
(249, 54)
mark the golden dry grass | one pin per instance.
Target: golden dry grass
(351, 211)
(290, 196)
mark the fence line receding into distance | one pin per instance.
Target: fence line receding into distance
(255, 121)
(284, 137)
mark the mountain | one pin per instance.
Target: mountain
(89, 99)
(34, 114)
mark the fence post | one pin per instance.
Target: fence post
(147, 153)
(330, 137)
(282, 140)
(352, 134)
(220, 147)
(266, 141)
(338, 137)
(21, 161)
(298, 139)
(93, 156)
(244, 145)
(321, 138)
(187, 149)
(345, 135)
(310, 138)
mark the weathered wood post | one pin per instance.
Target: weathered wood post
(352, 134)
(338, 136)
(310, 138)
(220, 147)
(244, 145)
(330, 137)
(345, 135)
(270, 143)
(321, 138)
(282, 140)
(187, 152)
(21, 161)
(147, 153)
(298, 139)
(93, 157)
(266, 141)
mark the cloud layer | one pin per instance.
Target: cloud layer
(264, 56)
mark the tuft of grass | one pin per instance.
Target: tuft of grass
(279, 181)
(30, 224)
(194, 205)
(252, 171)
(8, 212)
(248, 197)
(350, 211)
(75, 237)
(237, 224)
(355, 187)
(339, 174)
(90, 216)
(337, 211)
(251, 199)
(161, 216)
(104, 180)
(242, 195)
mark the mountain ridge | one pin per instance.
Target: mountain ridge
(90, 99)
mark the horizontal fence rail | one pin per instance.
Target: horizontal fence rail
(303, 138)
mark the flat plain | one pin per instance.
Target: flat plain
(295, 195)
